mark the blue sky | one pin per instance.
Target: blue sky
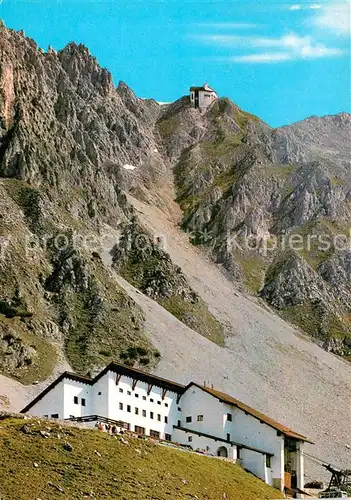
(282, 61)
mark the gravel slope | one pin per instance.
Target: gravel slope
(267, 363)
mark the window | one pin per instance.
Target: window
(83, 401)
(154, 434)
(124, 425)
(190, 438)
(121, 406)
(129, 393)
(139, 430)
(168, 437)
(136, 411)
(158, 402)
(75, 400)
(99, 393)
(54, 415)
(159, 417)
(188, 419)
(144, 413)
(151, 414)
(71, 416)
(179, 408)
(200, 418)
(144, 398)
(120, 390)
(238, 453)
(268, 461)
(151, 400)
(129, 409)
(136, 395)
(228, 437)
(166, 405)
(166, 420)
(179, 423)
(229, 417)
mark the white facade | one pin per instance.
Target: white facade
(141, 406)
(202, 97)
(194, 415)
(216, 418)
(207, 444)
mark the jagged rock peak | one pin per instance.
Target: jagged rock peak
(79, 64)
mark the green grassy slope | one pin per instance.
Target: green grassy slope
(102, 467)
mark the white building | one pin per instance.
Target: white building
(202, 97)
(193, 415)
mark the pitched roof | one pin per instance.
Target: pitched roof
(205, 88)
(143, 376)
(256, 414)
(114, 367)
(65, 375)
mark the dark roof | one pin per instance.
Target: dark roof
(143, 376)
(203, 89)
(225, 398)
(215, 438)
(113, 367)
(65, 375)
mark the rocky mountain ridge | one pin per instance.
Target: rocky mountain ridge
(85, 164)
(67, 133)
(273, 217)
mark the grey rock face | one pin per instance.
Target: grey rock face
(71, 146)
(316, 138)
(336, 271)
(65, 135)
(248, 191)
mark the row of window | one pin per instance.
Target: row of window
(143, 412)
(200, 418)
(76, 401)
(155, 434)
(129, 393)
(141, 430)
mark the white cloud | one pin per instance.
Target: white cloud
(288, 47)
(227, 25)
(335, 17)
(265, 57)
(313, 6)
(306, 46)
